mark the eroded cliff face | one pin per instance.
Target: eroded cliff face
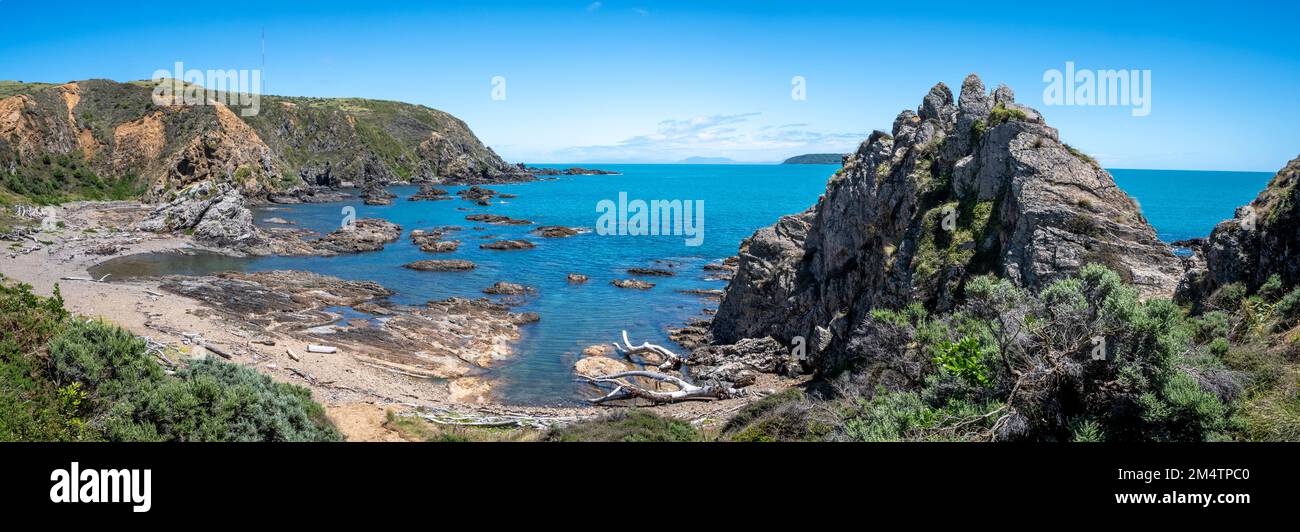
(978, 186)
(1262, 240)
(116, 130)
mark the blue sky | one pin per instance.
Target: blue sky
(646, 80)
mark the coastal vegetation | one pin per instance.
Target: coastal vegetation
(1014, 360)
(66, 378)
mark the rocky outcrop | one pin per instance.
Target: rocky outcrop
(508, 245)
(452, 265)
(367, 234)
(651, 272)
(502, 288)
(573, 170)
(453, 339)
(496, 219)
(431, 240)
(429, 193)
(214, 214)
(956, 189)
(1261, 240)
(632, 283)
(556, 231)
(737, 363)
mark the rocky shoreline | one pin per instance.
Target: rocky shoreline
(386, 356)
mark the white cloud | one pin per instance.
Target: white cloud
(594, 6)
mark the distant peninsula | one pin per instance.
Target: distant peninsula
(816, 158)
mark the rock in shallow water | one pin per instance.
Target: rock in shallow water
(441, 265)
(508, 245)
(632, 283)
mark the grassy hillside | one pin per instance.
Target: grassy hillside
(100, 139)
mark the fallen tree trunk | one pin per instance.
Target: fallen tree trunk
(625, 387)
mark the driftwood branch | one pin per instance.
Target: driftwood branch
(87, 279)
(626, 387)
(216, 350)
(669, 360)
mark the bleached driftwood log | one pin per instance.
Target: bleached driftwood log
(670, 360)
(625, 387)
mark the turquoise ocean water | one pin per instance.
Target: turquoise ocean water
(738, 199)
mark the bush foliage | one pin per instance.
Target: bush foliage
(1084, 359)
(68, 379)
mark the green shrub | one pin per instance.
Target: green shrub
(1272, 289)
(66, 379)
(107, 360)
(785, 416)
(1182, 411)
(1086, 431)
(627, 426)
(216, 401)
(1287, 310)
(1219, 347)
(31, 407)
(1228, 297)
(1001, 114)
(889, 417)
(964, 359)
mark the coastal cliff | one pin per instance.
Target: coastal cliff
(101, 139)
(1261, 241)
(978, 186)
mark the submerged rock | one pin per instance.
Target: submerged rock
(651, 272)
(632, 283)
(507, 245)
(453, 265)
(556, 231)
(502, 288)
(598, 350)
(496, 219)
(431, 240)
(577, 278)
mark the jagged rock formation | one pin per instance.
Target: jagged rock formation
(215, 214)
(367, 234)
(981, 185)
(118, 131)
(1261, 240)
